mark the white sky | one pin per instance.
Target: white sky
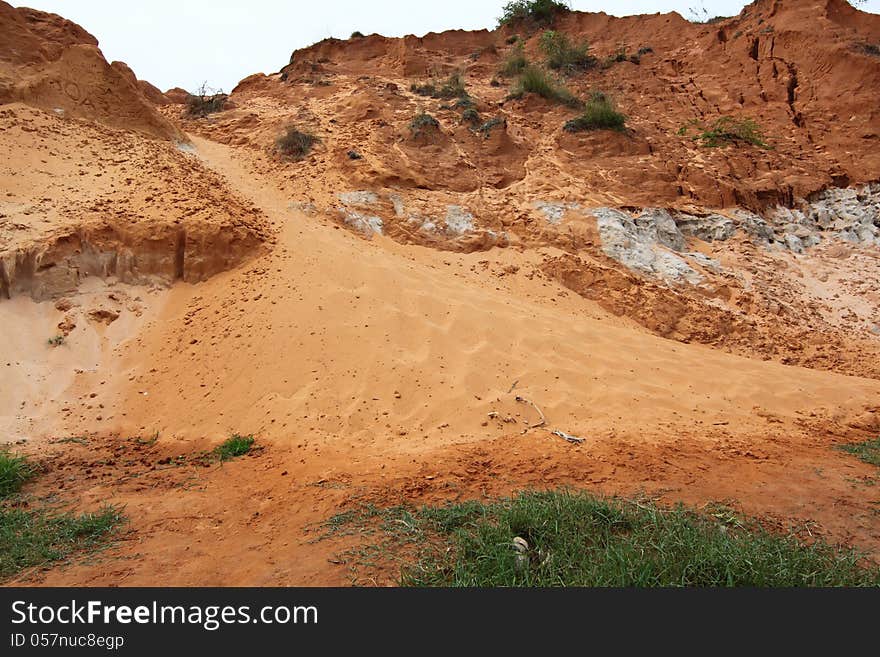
(184, 43)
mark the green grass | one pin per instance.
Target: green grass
(56, 341)
(729, 130)
(34, 537)
(538, 11)
(599, 114)
(868, 451)
(534, 80)
(14, 472)
(563, 55)
(234, 447)
(515, 63)
(295, 144)
(577, 539)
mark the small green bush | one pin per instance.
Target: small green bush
(356, 35)
(563, 55)
(538, 11)
(423, 123)
(534, 80)
(472, 116)
(452, 87)
(234, 447)
(728, 130)
(295, 144)
(14, 471)
(599, 114)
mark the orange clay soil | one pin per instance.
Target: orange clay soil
(213, 287)
(370, 369)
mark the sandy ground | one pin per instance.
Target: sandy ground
(368, 370)
(396, 316)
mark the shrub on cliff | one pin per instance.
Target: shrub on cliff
(563, 55)
(537, 81)
(515, 63)
(205, 101)
(538, 11)
(729, 130)
(422, 124)
(295, 144)
(599, 114)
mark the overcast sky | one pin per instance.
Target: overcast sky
(182, 43)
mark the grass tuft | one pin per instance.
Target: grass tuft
(570, 538)
(515, 63)
(295, 144)
(599, 114)
(563, 55)
(234, 447)
(14, 472)
(536, 81)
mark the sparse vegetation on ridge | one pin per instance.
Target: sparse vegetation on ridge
(541, 12)
(566, 538)
(599, 114)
